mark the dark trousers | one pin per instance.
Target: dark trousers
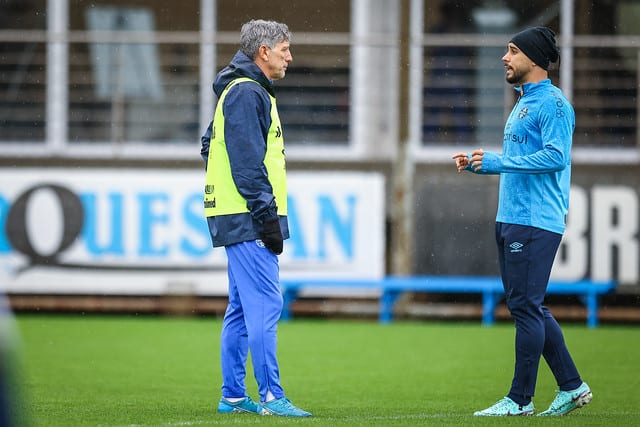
(526, 256)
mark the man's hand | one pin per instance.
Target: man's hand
(463, 160)
(272, 236)
(476, 160)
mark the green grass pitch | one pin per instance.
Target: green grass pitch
(160, 371)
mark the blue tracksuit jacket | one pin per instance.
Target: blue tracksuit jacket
(535, 164)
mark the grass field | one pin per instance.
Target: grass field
(162, 371)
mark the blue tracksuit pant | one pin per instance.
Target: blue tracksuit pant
(526, 256)
(251, 320)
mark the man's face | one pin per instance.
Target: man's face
(517, 65)
(278, 60)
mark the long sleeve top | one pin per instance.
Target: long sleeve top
(535, 163)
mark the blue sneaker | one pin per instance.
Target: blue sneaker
(567, 401)
(284, 408)
(244, 405)
(505, 407)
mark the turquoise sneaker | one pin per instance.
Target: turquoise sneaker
(567, 401)
(244, 405)
(284, 408)
(505, 407)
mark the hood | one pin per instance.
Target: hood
(241, 66)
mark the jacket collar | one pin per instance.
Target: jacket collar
(531, 87)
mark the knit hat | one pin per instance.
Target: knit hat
(539, 44)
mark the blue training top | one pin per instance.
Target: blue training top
(535, 164)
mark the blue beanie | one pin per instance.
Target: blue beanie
(539, 44)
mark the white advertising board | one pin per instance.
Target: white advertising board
(142, 232)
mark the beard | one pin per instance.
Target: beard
(514, 78)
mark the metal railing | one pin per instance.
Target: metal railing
(459, 103)
(465, 100)
(314, 98)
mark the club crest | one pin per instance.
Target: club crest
(523, 113)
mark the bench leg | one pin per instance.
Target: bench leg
(592, 309)
(288, 297)
(489, 302)
(387, 301)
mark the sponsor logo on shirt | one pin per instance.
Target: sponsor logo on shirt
(512, 137)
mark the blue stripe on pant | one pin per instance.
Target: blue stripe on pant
(251, 320)
(526, 255)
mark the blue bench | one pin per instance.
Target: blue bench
(391, 287)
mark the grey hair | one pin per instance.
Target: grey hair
(259, 32)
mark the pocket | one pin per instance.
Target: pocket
(517, 256)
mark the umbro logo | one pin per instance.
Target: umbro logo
(516, 247)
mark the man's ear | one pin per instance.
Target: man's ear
(263, 53)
